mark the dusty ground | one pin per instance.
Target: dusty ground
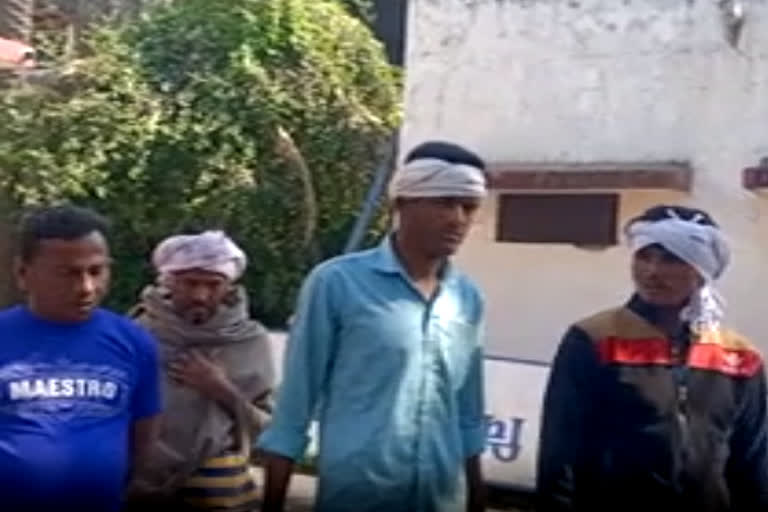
(302, 491)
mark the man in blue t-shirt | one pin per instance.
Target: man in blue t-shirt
(79, 393)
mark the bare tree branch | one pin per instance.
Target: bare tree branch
(287, 148)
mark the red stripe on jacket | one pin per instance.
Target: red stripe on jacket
(658, 351)
(635, 352)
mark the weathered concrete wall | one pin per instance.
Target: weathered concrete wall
(588, 80)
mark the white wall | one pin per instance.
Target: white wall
(589, 80)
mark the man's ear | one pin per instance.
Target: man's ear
(232, 296)
(400, 206)
(20, 273)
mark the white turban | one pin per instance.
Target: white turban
(432, 177)
(701, 246)
(212, 251)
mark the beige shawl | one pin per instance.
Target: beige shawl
(194, 427)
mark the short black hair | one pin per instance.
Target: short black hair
(664, 212)
(446, 151)
(59, 222)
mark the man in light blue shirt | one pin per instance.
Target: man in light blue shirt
(386, 350)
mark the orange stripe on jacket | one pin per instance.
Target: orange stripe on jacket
(733, 362)
(634, 352)
(702, 356)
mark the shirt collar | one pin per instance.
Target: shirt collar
(388, 262)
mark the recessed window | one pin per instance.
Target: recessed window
(576, 219)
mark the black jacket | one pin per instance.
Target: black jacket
(634, 420)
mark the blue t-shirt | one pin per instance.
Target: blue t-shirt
(69, 394)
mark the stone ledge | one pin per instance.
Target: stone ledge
(597, 175)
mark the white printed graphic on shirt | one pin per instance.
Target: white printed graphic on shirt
(63, 388)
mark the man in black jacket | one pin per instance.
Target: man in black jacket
(655, 405)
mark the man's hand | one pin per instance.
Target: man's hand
(476, 500)
(144, 434)
(196, 371)
(278, 471)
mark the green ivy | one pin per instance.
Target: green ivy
(264, 118)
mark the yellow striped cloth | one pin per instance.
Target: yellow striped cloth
(225, 483)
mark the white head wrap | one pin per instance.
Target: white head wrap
(213, 251)
(432, 177)
(701, 246)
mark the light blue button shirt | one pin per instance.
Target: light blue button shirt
(396, 381)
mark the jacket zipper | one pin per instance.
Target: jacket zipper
(679, 358)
